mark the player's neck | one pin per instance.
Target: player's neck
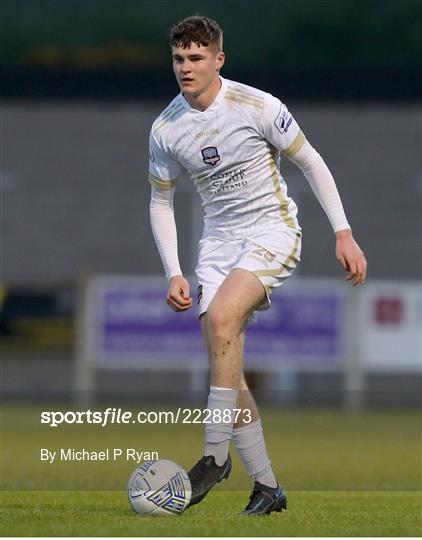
(203, 100)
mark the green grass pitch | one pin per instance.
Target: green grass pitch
(345, 474)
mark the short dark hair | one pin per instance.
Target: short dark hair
(196, 29)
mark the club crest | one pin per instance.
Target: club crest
(210, 155)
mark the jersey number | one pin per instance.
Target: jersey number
(262, 252)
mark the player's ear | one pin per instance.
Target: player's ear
(220, 60)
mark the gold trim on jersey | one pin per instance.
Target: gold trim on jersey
(284, 265)
(200, 179)
(284, 203)
(246, 93)
(296, 145)
(167, 117)
(160, 183)
(234, 94)
(267, 290)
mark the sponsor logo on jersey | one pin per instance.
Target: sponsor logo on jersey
(210, 155)
(283, 120)
(228, 181)
(199, 293)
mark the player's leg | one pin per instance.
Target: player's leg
(227, 314)
(237, 297)
(271, 267)
(223, 327)
(250, 444)
(272, 259)
(248, 439)
(245, 401)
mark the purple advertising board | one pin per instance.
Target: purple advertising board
(134, 326)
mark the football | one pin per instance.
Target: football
(159, 488)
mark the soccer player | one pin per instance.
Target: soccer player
(229, 138)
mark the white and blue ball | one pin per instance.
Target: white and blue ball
(159, 488)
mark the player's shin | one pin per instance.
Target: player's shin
(219, 428)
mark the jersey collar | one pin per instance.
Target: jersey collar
(218, 99)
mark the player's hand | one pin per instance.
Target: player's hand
(178, 294)
(351, 257)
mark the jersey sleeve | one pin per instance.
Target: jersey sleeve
(280, 128)
(163, 169)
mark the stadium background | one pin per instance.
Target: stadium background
(82, 83)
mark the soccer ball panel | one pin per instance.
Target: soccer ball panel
(159, 488)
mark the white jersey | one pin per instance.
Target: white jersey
(231, 151)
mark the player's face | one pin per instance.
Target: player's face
(196, 68)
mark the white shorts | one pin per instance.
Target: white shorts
(272, 256)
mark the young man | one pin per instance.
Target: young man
(229, 137)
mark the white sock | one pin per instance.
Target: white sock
(221, 402)
(250, 444)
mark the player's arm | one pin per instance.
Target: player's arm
(282, 131)
(161, 169)
(163, 227)
(348, 253)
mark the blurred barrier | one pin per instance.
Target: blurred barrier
(313, 326)
(128, 324)
(390, 330)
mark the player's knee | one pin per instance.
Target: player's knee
(219, 322)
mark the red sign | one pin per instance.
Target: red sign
(389, 310)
